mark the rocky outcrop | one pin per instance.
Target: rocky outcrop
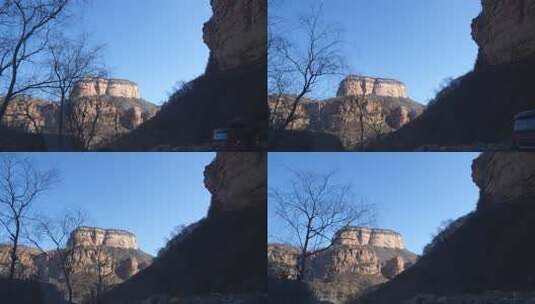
(92, 236)
(504, 177)
(236, 180)
(361, 236)
(32, 115)
(236, 34)
(358, 259)
(363, 85)
(91, 87)
(340, 116)
(505, 31)
(115, 251)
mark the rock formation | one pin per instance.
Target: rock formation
(361, 236)
(504, 31)
(118, 104)
(91, 87)
(358, 259)
(340, 116)
(235, 180)
(92, 236)
(236, 34)
(114, 250)
(504, 177)
(363, 85)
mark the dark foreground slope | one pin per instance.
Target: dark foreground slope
(478, 109)
(214, 100)
(225, 253)
(28, 292)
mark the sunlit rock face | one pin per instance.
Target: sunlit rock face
(503, 177)
(237, 33)
(32, 115)
(236, 180)
(282, 261)
(505, 31)
(361, 236)
(111, 87)
(26, 267)
(90, 236)
(362, 85)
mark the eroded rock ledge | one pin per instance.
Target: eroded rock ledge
(92, 236)
(355, 86)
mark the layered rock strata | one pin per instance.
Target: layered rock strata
(90, 87)
(361, 236)
(92, 236)
(504, 31)
(364, 86)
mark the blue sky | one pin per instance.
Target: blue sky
(417, 42)
(145, 193)
(152, 44)
(413, 192)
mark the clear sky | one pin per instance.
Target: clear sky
(153, 43)
(417, 42)
(413, 192)
(146, 193)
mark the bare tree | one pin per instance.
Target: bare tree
(21, 186)
(71, 61)
(103, 265)
(25, 26)
(57, 232)
(314, 207)
(296, 70)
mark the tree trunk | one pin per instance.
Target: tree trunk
(14, 256)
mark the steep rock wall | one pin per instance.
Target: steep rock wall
(505, 31)
(91, 236)
(361, 236)
(111, 87)
(358, 85)
(237, 33)
(504, 177)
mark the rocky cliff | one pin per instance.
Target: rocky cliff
(114, 250)
(358, 259)
(505, 31)
(236, 34)
(116, 103)
(340, 116)
(236, 180)
(90, 87)
(362, 85)
(92, 236)
(504, 177)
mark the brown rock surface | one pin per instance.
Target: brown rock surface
(236, 180)
(340, 116)
(110, 87)
(354, 85)
(91, 236)
(504, 176)
(237, 32)
(282, 261)
(505, 31)
(361, 236)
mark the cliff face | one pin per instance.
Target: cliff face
(340, 116)
(236, 34)
(110, 87)
(504, 177)
(358, 259)
(236, 180)
(91, 236)
(114, 250)
(117, 103)
(360, 236)
(362, 85)
(505, 31)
